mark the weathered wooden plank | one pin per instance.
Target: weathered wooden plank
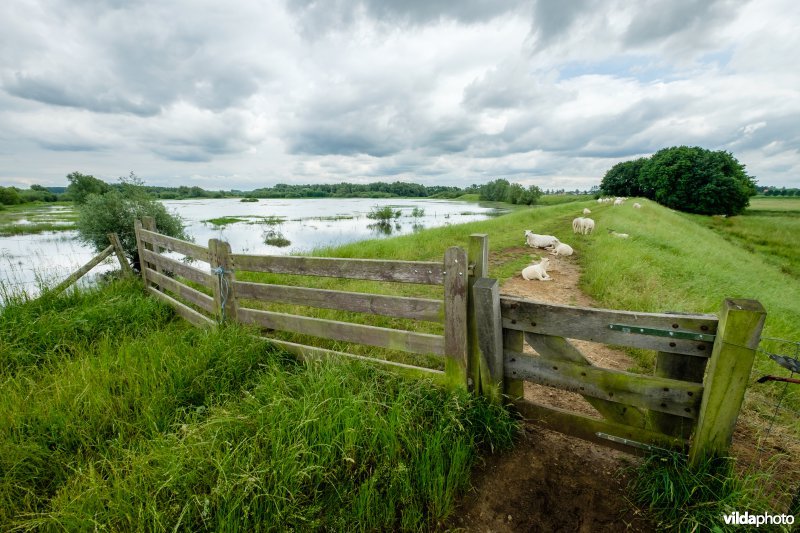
(305, 353)
(183, 310)
(513, 340)
(455, 312)
(685, 368)
(172, 244)
(170, 265)
(486, 297)
(123, 261)
(395, 339)
(587, 428)
(149, 224)
(219, 254)
(593, 325)
(377, 304)
(140, 247)
(78, 274)
(195, 297)
(478, 259)
(559, 349)
(429, 273)
(660, 394)
(740, 324)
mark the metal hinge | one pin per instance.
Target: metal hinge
(674, 334)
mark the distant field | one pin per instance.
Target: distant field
(775, 203)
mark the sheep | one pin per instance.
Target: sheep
(561, 249)
(618, 201)
(537, 271)
(637, 205)
(587, 226)
(586, 211)
(540, 241)
(576, 225)
(619, 235)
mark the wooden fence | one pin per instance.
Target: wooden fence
(690, 403)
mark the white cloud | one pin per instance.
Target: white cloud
(250, 94)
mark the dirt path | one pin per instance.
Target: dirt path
(551, 482)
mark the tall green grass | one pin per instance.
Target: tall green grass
(147, 423)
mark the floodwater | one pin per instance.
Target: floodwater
(269, 227)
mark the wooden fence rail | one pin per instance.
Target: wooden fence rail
(114, 248)
(680, 406)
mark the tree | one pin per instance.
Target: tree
(115, 212)
(697, 180)
(82, 185)
(9, 196)
(623, 179)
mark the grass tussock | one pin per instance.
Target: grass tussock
(680, 498)
(149, 424)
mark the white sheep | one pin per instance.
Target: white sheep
(587, 226)
(618, 201)
(577, 224)
(537, 271)
(619, 235)
(637, 205)
(540, 241)
(561, 249)
(586, 211)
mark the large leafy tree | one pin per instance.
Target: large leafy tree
(82, 185)
(115, 212)
(623, 179)
(697, 180)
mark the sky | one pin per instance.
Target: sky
(243, 94)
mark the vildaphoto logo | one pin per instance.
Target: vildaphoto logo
(746, 519)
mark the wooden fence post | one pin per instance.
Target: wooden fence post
(78, 274)
(123, 263)
(489, 330)
(478, 258)
(738, 334)
(149, 223)
(219, 257)
(685, 368)
(455, 316)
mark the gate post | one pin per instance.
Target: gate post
(738, 335)
(478, 257)
(455, 316)
(219, 257)
(489, 330)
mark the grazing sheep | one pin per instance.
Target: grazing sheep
(537, 271)
(576, 225)
(637, 205)
(618, 201)
(586, 211)
(600, 200)
(540, 241)
(587, 226)
(561, 249)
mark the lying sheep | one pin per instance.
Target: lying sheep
(540, 241)
(561, 249)
(620, 235)
(537, 271)
(586, 211)
(637, 205)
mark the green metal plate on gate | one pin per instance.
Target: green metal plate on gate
(673, 334)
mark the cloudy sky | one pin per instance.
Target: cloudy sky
(243, 93)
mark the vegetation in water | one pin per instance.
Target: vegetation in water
(274, 237)
(224, 221)
(384, 214)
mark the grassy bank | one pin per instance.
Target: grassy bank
(117, 416)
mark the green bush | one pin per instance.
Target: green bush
(383, 213)
(9, 196)
(117, 210)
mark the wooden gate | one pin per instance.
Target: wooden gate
(217, 296)
(690, 403)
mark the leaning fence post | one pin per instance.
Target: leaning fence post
(478, 259)
(489, 330)
(123, 263)
(738, 334)
(219, 257)
(455, 313)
